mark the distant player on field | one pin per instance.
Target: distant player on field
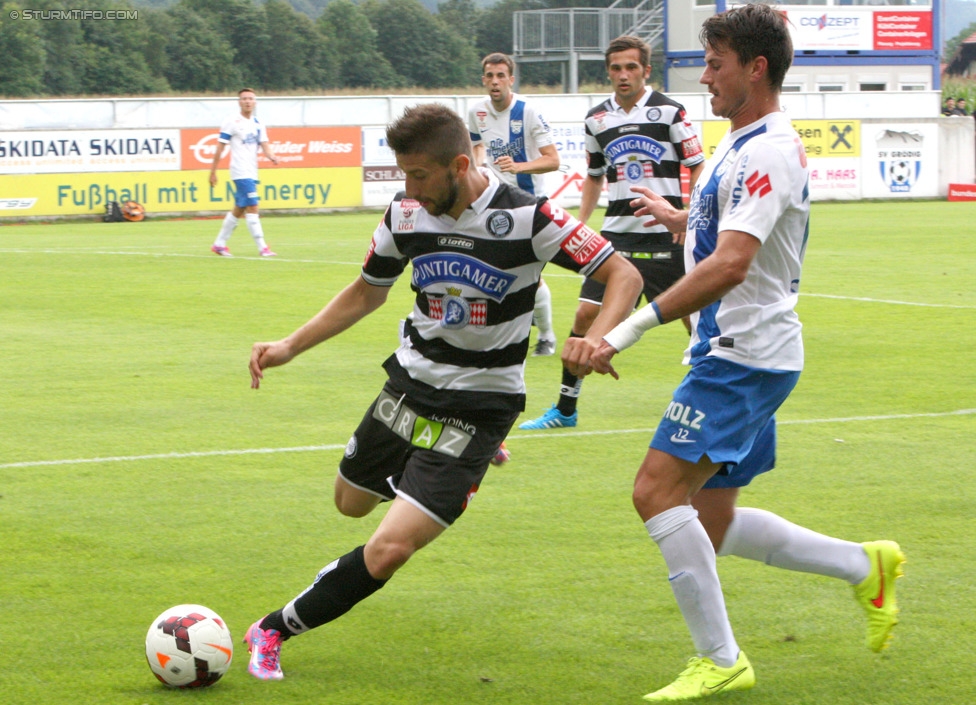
(245, 134)
(475, 249)
(518, 143)
(747, 231)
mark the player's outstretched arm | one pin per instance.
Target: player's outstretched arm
(624, 284)
(346, 308)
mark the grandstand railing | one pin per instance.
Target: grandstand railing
(583, 33)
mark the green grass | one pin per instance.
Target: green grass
(131, 341)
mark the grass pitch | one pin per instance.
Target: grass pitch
(138, 470)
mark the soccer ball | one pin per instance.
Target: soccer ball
(189, 646)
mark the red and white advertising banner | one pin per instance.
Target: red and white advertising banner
(860, 29)
(295, 147)
(907, 31)
(962, 192)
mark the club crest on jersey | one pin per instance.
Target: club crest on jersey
(500, 224)
(482, 120)
(462, 270)
(352, 446)
(653, 114)
(455, 312)
(515, 126)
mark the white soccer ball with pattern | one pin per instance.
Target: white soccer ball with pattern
(189, 646)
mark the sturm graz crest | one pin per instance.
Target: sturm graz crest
(500, 224)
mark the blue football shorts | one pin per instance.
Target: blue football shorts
(245, 192)
(725, 411)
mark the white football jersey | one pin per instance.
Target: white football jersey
(517, 132)
(245, 136)
(757, 182)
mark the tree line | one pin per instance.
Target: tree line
(218, 46)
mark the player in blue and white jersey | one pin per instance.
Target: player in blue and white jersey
(246, 135)
(637, 136)
(747, 232)
(455, 385)
(513, 139)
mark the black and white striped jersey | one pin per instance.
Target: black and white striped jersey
(464, 344)
(643, 147)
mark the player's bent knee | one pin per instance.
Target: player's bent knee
(384, 558)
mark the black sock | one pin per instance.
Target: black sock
(569, 390)
(340, 586)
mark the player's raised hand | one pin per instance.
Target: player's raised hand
(660, 211)
(264, 355)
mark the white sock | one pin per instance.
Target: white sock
(694, 580)
(763, 536)
(542, 314)
(226, 228)
(257, 232)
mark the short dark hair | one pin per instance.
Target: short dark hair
(752, 31)
(432, 129)
(628, 42)
(499, 58)
(247, 90)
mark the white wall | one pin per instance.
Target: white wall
(379, 110)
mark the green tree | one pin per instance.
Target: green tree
(22, 49)
(420, 47)
(113, 60)
(352, 44)
(463, 17)
(952, 46)
(64, 50)
(300, 58)
(199, 58)
(242, 24)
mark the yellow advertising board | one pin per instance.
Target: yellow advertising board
(35, 195)
(821, 138)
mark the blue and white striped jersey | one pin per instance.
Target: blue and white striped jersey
(757, 182)
(245, 136)
(517, 132)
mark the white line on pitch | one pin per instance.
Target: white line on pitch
(524, 437)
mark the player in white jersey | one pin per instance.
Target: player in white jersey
(455, 385)
(747, 231)
(245, 134)
(513, 139)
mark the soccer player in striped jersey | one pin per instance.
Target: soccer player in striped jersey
(455, 385)
(637, 136)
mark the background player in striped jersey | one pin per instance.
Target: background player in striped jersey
(513, 139)
(245, 134)
(747, 231)
(455, 385)
(637, 136)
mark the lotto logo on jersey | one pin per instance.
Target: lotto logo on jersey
(583, 244)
